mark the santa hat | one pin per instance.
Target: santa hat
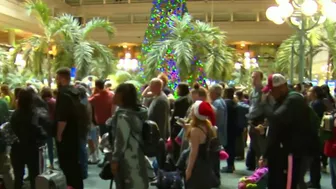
(202, 110)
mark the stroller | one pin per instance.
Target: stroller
(167, 173)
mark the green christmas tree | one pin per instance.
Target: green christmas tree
(158, 29)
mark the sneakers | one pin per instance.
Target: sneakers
(227, 169)
(311, 185)
(324, 169)
(93, 159)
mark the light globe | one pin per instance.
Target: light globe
(286, 10)
(279, 2)
(309, 7)
(329, 10)
(272, 13)
(322, 19)
(278, 21)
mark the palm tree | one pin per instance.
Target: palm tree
(124, 76)
(319, 39)
(3, 63)
(191, 40)
(64, 42)
(78, 50)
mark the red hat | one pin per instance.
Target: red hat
(274, 80)
(203, 110)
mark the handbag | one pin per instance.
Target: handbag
(106, 173)
(169, 180)
(327, 125)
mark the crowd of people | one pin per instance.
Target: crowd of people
(276, 117)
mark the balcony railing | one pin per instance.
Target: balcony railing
(101, 2)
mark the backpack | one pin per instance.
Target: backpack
(44, 120)
(151, 137)
(313, 118)
(313, 128)
(327, 125)
(81, 115)
(3, 144)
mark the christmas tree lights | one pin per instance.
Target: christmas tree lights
(158, 30)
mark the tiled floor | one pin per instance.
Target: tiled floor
(229, 181)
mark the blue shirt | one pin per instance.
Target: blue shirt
(221, 119)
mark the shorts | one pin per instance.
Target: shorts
(93, 134)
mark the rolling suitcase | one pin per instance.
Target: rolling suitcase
(48, 178)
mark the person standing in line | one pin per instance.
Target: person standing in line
(199, 173)
(219, 105)
(158, 110)
(26, 126)
(315, 95)
(242, 110)
(181, 107)
(103, 109)
(67, 132)
(292, 136)
(255, 117)
(47, 96)
(101, 101)
(232, 129)
(330, 151)
(128, 162)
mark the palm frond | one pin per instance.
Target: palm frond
(106, 57)
(123, 76)
(284, 55)
(192, 42)
(137, 84)
(96, 23)
(83, 56)
(18, 80)
(68, 26)
(40, 10)
(5, 64)
(183, 50)
(154, 57)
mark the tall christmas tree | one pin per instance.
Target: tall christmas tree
(158, 29)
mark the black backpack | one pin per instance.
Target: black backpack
(151, 137)
(81, 116)
(3, 144)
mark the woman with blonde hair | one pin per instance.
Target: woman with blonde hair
(199, 173)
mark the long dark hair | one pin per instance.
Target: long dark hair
(25, 101)
(327, 94)
(129, 96)
(319, 93)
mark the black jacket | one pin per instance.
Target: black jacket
(181, 107)
(232, 128)
(289, 130)
(26, 125)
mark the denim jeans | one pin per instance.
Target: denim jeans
(50, 144)
(332, 165)
(83, 157)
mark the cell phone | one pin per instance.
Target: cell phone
(180, 121)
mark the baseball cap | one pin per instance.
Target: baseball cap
(274, 80)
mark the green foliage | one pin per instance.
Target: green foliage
(321, 38)
(126, 77)
(188, 40)
(68, 42)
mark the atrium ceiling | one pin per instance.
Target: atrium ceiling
(243, 20)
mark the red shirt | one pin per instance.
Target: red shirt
(330, 146)
(102, 106)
